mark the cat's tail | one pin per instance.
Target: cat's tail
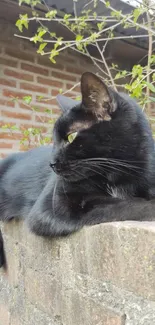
(2, 252)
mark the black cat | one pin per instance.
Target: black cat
(102, 167)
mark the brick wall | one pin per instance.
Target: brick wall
(103, 275)
(25, 73)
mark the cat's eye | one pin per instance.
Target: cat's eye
(71, 137)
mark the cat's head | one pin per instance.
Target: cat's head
(92, 134)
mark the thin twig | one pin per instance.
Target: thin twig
(127, 18)
(148, 107)
(108, 20)
(95, 62)
(107, 68)
(83, 41)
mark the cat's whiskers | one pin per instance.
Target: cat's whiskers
(115, 161)
(88, 179)
(117, 168)
(107, 166)
(53, 197)
(63, 185)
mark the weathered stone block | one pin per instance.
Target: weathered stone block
(81, 279)
(4, 315)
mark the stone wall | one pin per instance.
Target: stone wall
(103, 275)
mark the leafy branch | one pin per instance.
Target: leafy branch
(92, 30)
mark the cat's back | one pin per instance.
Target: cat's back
(22, 178)
(26, 163)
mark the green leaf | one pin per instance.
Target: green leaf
(116, 14)
(41, 32)
(107, 4)
(101, 25)
(78, 98)
(136, 13)
(67, 16)
(51, 14)
(52, 55)
(14, 127)
(41, 48)
(19, 25)
(150, 86)
(137, 70)
(118, 75)
(30, 2)
(53, 35)
(48, 111)
(6, 126)
(39, 98)
(79, 38)
(27, 99)
(23, 21)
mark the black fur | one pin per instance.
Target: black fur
(106, 174)
(2, 254)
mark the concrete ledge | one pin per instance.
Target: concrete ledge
(103, 275)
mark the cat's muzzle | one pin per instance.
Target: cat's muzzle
(57, 167)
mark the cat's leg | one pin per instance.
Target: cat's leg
(51, 215)
(63, 222)
(48, 225)
(113, 209)
(49, 218)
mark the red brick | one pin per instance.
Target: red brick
(6, 82)
(24, 106)
(5, 122)
(75, 70)
(56, 111)
(5, 102)
(10, 136)
(43, 119)
(38, 108)
(26, 147)
(16, 115)
(19, 54)
(46, 62)
(5, 145)
(76, 89)
(34, 69)
(70, 59)
(31, 87)
(27, 126)
(47, 101)
(8, 62)
(63, 76)
(50, 82)
(54, 92)
(18, 75)
(14, 94)
(71, 94)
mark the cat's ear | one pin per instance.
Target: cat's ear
(66, 103)
(96, 96)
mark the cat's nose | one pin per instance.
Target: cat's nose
(57, 167)
(52, 165)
